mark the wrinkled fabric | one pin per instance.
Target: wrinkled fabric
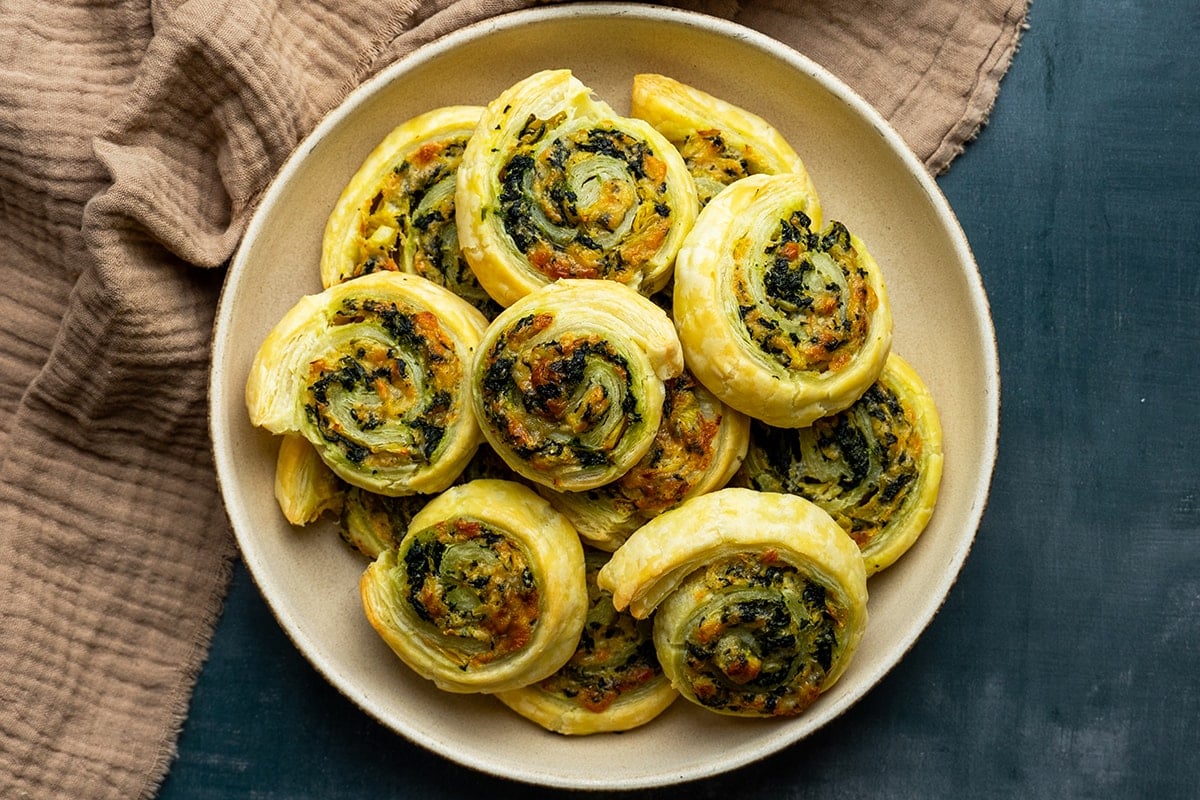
(135, 139)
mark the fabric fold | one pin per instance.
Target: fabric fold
(136, 137)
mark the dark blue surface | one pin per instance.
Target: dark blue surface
(1066, 661)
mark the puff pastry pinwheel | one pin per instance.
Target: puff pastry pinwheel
(780, 321)
(699, 445)
(554, 184)
(375, 373)
(612, 682)
(719, 142)
(875, 466)
(759, 599)
(397, 211)
(569, 382)
(486, 592)
(305, 487)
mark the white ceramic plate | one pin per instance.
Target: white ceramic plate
(866, 177)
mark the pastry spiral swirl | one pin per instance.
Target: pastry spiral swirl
(779, 321)
(719, 142)
(757, 609)
(612, 682)
(375, 373)
(554, 184)
(569, 382)
(875, 466)
(486, 592)
(699, 445)
(397, 211)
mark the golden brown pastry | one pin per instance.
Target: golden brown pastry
(779, 320)
(486, 592)
(719, 142)
(759, 599)
(305, 487)
(555, 184)
(699, 445)
(568, 382)
(875, 467)
(397, 211)
(375, 373)
(612, 682)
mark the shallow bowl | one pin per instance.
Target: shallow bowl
(866, 177)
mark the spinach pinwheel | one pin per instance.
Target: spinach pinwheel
(569, 382)
(719, 142)
(554, 184)
(612, 682)
(759, 599)
(781, 321)
(375, 373)
(875, 466)
(486, 592)
(397, 211)
(699, 445)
